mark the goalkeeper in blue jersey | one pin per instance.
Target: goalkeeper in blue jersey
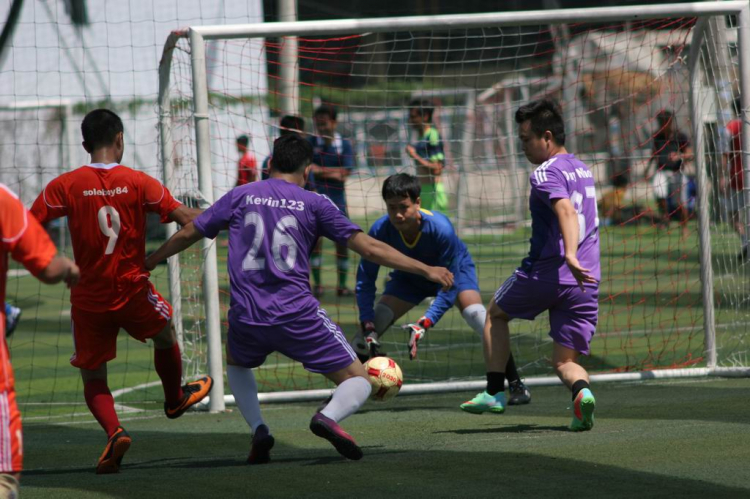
(427, 236)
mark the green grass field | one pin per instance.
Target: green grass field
(650, 317)
(687, 438)
(678, 438)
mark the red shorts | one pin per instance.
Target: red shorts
(11, 442)
(95, 333)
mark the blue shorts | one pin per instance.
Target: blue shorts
(315, 341)
(573, 314)
(412, 289)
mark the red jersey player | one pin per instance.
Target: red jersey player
(732, 180)
(25, 240)
(106, 205)
(247, 167)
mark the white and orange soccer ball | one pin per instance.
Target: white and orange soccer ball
(385, 377)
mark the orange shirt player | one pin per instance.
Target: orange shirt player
(247, 167)
(106, 205)
(24, 239)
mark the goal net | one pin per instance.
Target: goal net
(649, 98)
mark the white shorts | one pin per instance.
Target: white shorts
(660, 184)
(668, 184)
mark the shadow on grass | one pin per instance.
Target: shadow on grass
(512, 428)
(162, 464)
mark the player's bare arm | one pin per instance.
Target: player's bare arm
(331, 173)
(181, 240)
(436, 167)
(183, 215)
(61, 268)
(382, 254)
(568, 219)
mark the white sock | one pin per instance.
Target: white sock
(347, 399)
(474, 315)
(245, 390)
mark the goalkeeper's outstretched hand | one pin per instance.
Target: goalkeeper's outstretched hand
(417, 332)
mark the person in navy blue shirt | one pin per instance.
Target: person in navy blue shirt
(289, 124)
(333, 162)
(429, 237)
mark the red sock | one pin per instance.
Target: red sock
(101, 404)
(168, 365)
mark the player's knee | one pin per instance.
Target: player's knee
(94, 374)
(497, 314)
(475, 316)
(383, 318)
(560, 364)
(166, 338)
(562, 358)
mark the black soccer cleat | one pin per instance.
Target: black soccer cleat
(518, 394)
(263, 441)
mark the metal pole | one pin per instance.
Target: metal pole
(167, 157)
(702, 203)
(205, 181)
(72, 146)
(465, 386)
(467, 147)
(64, 163)
(288, 70)
(515, 169)
(743, 47)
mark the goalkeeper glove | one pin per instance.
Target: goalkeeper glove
(371, 338)
(417, 332)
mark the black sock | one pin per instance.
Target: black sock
(495, 383)
(511, 372)
(578, 386)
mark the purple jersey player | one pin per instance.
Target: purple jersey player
(273, 226)
(562, 272)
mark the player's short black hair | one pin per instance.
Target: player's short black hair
(292, 124)
(100, 128)
(545, 115)
(326, 110)
(401, 185)
(243, 140)
(425, 108)
(738, 106)
(291, 154)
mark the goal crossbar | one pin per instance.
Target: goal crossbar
(466, 21)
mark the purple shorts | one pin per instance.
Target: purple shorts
(315, 341)
(572, 313)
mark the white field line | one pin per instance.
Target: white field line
(122, 409)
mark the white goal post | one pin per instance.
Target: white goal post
(199, 35)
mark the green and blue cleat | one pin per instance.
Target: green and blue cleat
(484, 402)
(583, 411)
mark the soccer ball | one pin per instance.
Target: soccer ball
(385, 377)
